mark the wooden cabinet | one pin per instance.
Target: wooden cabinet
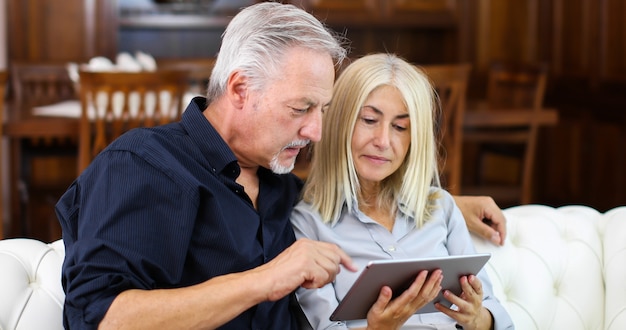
(407, 13)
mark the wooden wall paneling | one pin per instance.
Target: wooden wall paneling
(17, 28)
(613, 41)
(431, 13)
(465, 32)
(575, 30)
(385, 13)
(61, 35)
(572, 52)
(472, 46)
(44, 30)
(345, 12)
(57, 31)
(414, 44)
(512, 31)
(105, 33)
(610, 90)
(502, 30)
(423, 31)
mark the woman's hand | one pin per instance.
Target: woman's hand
(392, 314)
(470, 313)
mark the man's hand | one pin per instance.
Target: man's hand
(483, 217)
(307, 263)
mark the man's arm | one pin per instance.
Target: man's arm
(212, 303)
(483, 217)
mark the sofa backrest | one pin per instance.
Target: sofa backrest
(555, 264)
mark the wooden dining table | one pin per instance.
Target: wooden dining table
(20, 125)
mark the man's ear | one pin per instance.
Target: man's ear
(237, 89)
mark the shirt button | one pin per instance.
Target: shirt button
(392, 248)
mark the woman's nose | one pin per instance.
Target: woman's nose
(381, 137)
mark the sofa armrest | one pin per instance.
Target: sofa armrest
(31, 295)
(615, 268)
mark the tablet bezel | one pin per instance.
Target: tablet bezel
(399, 274)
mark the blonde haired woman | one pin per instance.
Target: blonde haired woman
(373, 190)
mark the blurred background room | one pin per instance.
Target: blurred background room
(562, 144)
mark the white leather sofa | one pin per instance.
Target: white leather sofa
(562, 268)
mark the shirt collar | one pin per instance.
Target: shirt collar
(362, 217)
(217, 153)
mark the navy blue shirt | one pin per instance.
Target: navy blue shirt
(160, 208)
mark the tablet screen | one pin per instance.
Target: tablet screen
(398, 275)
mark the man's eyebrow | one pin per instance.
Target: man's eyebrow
(307, 101)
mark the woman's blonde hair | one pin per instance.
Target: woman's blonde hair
(333, 180)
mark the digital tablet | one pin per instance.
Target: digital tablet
(398, 275)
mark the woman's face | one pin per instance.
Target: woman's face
(381, 136)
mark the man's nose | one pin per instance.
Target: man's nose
(312, 129)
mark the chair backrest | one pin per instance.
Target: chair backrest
(37, 84)
(516, 85)
(450, 82)
(115, 102)
(519, 87)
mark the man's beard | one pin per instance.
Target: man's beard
(275, 165)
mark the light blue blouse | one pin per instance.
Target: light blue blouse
(364, 240)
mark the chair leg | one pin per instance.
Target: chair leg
(528, 166)
(23, 198)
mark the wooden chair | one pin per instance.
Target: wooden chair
(34, 84)
(450, 82)
(115, 102)
(38, 84)
(506, 152)
(3, 83)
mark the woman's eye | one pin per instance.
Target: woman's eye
(399, 128)
(368, 120)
